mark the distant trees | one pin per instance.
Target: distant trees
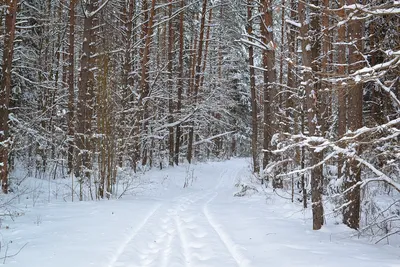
(114, 85)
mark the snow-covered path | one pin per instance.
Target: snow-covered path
(182, 232)
(199, 226)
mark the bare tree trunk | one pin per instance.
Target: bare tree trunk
(325, 106)
(180, 81)
(292, 84)
(193, 59)
(254, 111)
(58, 50)
(197, 77)
(310, 52)
(342, 91)
(314, 99)
(206, 48)
(85, 97)
(144, 82)
(127, 16)
(351, 214)
(71, 84)
(283, 97)
(269, 82)
(171, 41)
(5, 90)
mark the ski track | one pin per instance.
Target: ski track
(230, 245)
(159, 228)
(183, 233)
(132, 235)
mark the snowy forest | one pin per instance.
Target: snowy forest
(95, 93)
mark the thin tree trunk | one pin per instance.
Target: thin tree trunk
(193, 60)
(144, 82)
(206, 48)
(5, 90)
(282, 96)
(71, 84)
(269, 82)
(85, 98)
(342, 91)
(310, 52)
(314, 99)
(180, 81)
(351, 214)
(254, 111)
(325, 92)
(197, 77)
(171, 41)
(127, 80)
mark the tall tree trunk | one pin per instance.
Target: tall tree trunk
(128, 12)
(5, 90)
(325, 105)
(85, 97)
(58, 50)
(283, 97)
(180, 80)
(71, 84)
(254, 111)
(314, 100)
(342, 91)
(144, 81)
(291, 71)
(310, 52)
(193, 60)
(269, 82)
(197, 77)
(351, 214)
(206, 48)
(171, 41)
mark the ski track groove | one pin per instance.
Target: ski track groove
(167, 249)
(231, 246)
(180, 225)
(177, 223)
(132, 235)
(184, 243)
(172, 213)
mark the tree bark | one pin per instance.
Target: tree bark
(351, 214)
(144, 81)
(85, 97)
(180, 81)
(310, 52)
(269, 82)
(71, 84)
(197, 77)
(254, 111)
(5, 90)
(342, 90)
(171, 41)
(206, 47)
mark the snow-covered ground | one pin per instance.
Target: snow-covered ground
(166, 225)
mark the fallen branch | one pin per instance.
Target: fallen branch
(13, 255)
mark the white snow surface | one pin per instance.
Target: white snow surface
(166, 225)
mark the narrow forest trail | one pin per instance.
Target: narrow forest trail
(199, 226)
(182, 232)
